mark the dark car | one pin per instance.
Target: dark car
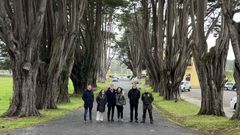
(234, 87)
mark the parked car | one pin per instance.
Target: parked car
(229, 86)
(234, 88)
(185, 86)
(115, 79)
(233, 103)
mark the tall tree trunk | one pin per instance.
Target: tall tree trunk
(22, 31)
(210, 65)
(86, 66)
(63, 96)
(61, 27)
(228, 10)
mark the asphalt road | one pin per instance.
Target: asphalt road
(194, 96)
(73, 124)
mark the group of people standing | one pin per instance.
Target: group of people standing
(115, 98)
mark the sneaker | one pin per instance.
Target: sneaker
(112, 120)
(142, 121)
(151, 121)
(85, 121)
(130, 121)
(136, 121)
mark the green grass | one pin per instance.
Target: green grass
(7, 124)
(185, 114)
(229, 75)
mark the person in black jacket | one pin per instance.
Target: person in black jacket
(134, 95)
(88, 98)
(101, 103)
(111, 101)
(147, 100)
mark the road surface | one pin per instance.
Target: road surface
(73, 125)
(194, 96)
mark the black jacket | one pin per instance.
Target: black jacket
(88, 98)
(147, 98)
(101, 103)
(111, 97)
(134, 95)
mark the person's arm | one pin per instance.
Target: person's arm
(129, 94)
(152, 98)
(142, 97)
(116, 98)
(84, 96)
(139, 94)
(97, 99)
(92, 94)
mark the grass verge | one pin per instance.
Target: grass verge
(185, 114)
(7, 124)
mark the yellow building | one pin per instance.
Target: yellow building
(191, 75)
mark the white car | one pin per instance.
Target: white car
(233, 103)
(229, 86)
(115, 79)
(185, 86)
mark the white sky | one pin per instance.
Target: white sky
(211, 40)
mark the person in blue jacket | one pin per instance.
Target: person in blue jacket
(88, 98)
(111, 101)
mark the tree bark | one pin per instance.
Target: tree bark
(210, 65)
(21, 32)
(87, 65)
(61, 26)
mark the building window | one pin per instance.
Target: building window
(188, 77)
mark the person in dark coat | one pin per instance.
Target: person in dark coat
(101, 103)
(120, 102)
(88, 98)
(111, 101)
(134, 95)
(147, 99)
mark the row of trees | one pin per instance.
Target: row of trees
(49, 42)
(170, 32)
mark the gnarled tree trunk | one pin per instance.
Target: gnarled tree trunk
(21, 26)
(210, 65)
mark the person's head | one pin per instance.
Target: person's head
(102, 92)
(119, 90)
(89, 87)
(134, 85)
(146, 90)
(111, 86)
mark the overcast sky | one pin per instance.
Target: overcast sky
(211, 40)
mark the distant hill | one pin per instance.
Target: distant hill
(229, 65)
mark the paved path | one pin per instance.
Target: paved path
(73, 125)
(194, 96)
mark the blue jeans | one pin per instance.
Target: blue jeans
(88, 108)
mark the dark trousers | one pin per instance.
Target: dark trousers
(135, 108)
(111, 109)
(149, 109)
(86, 109)
(120, 111)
